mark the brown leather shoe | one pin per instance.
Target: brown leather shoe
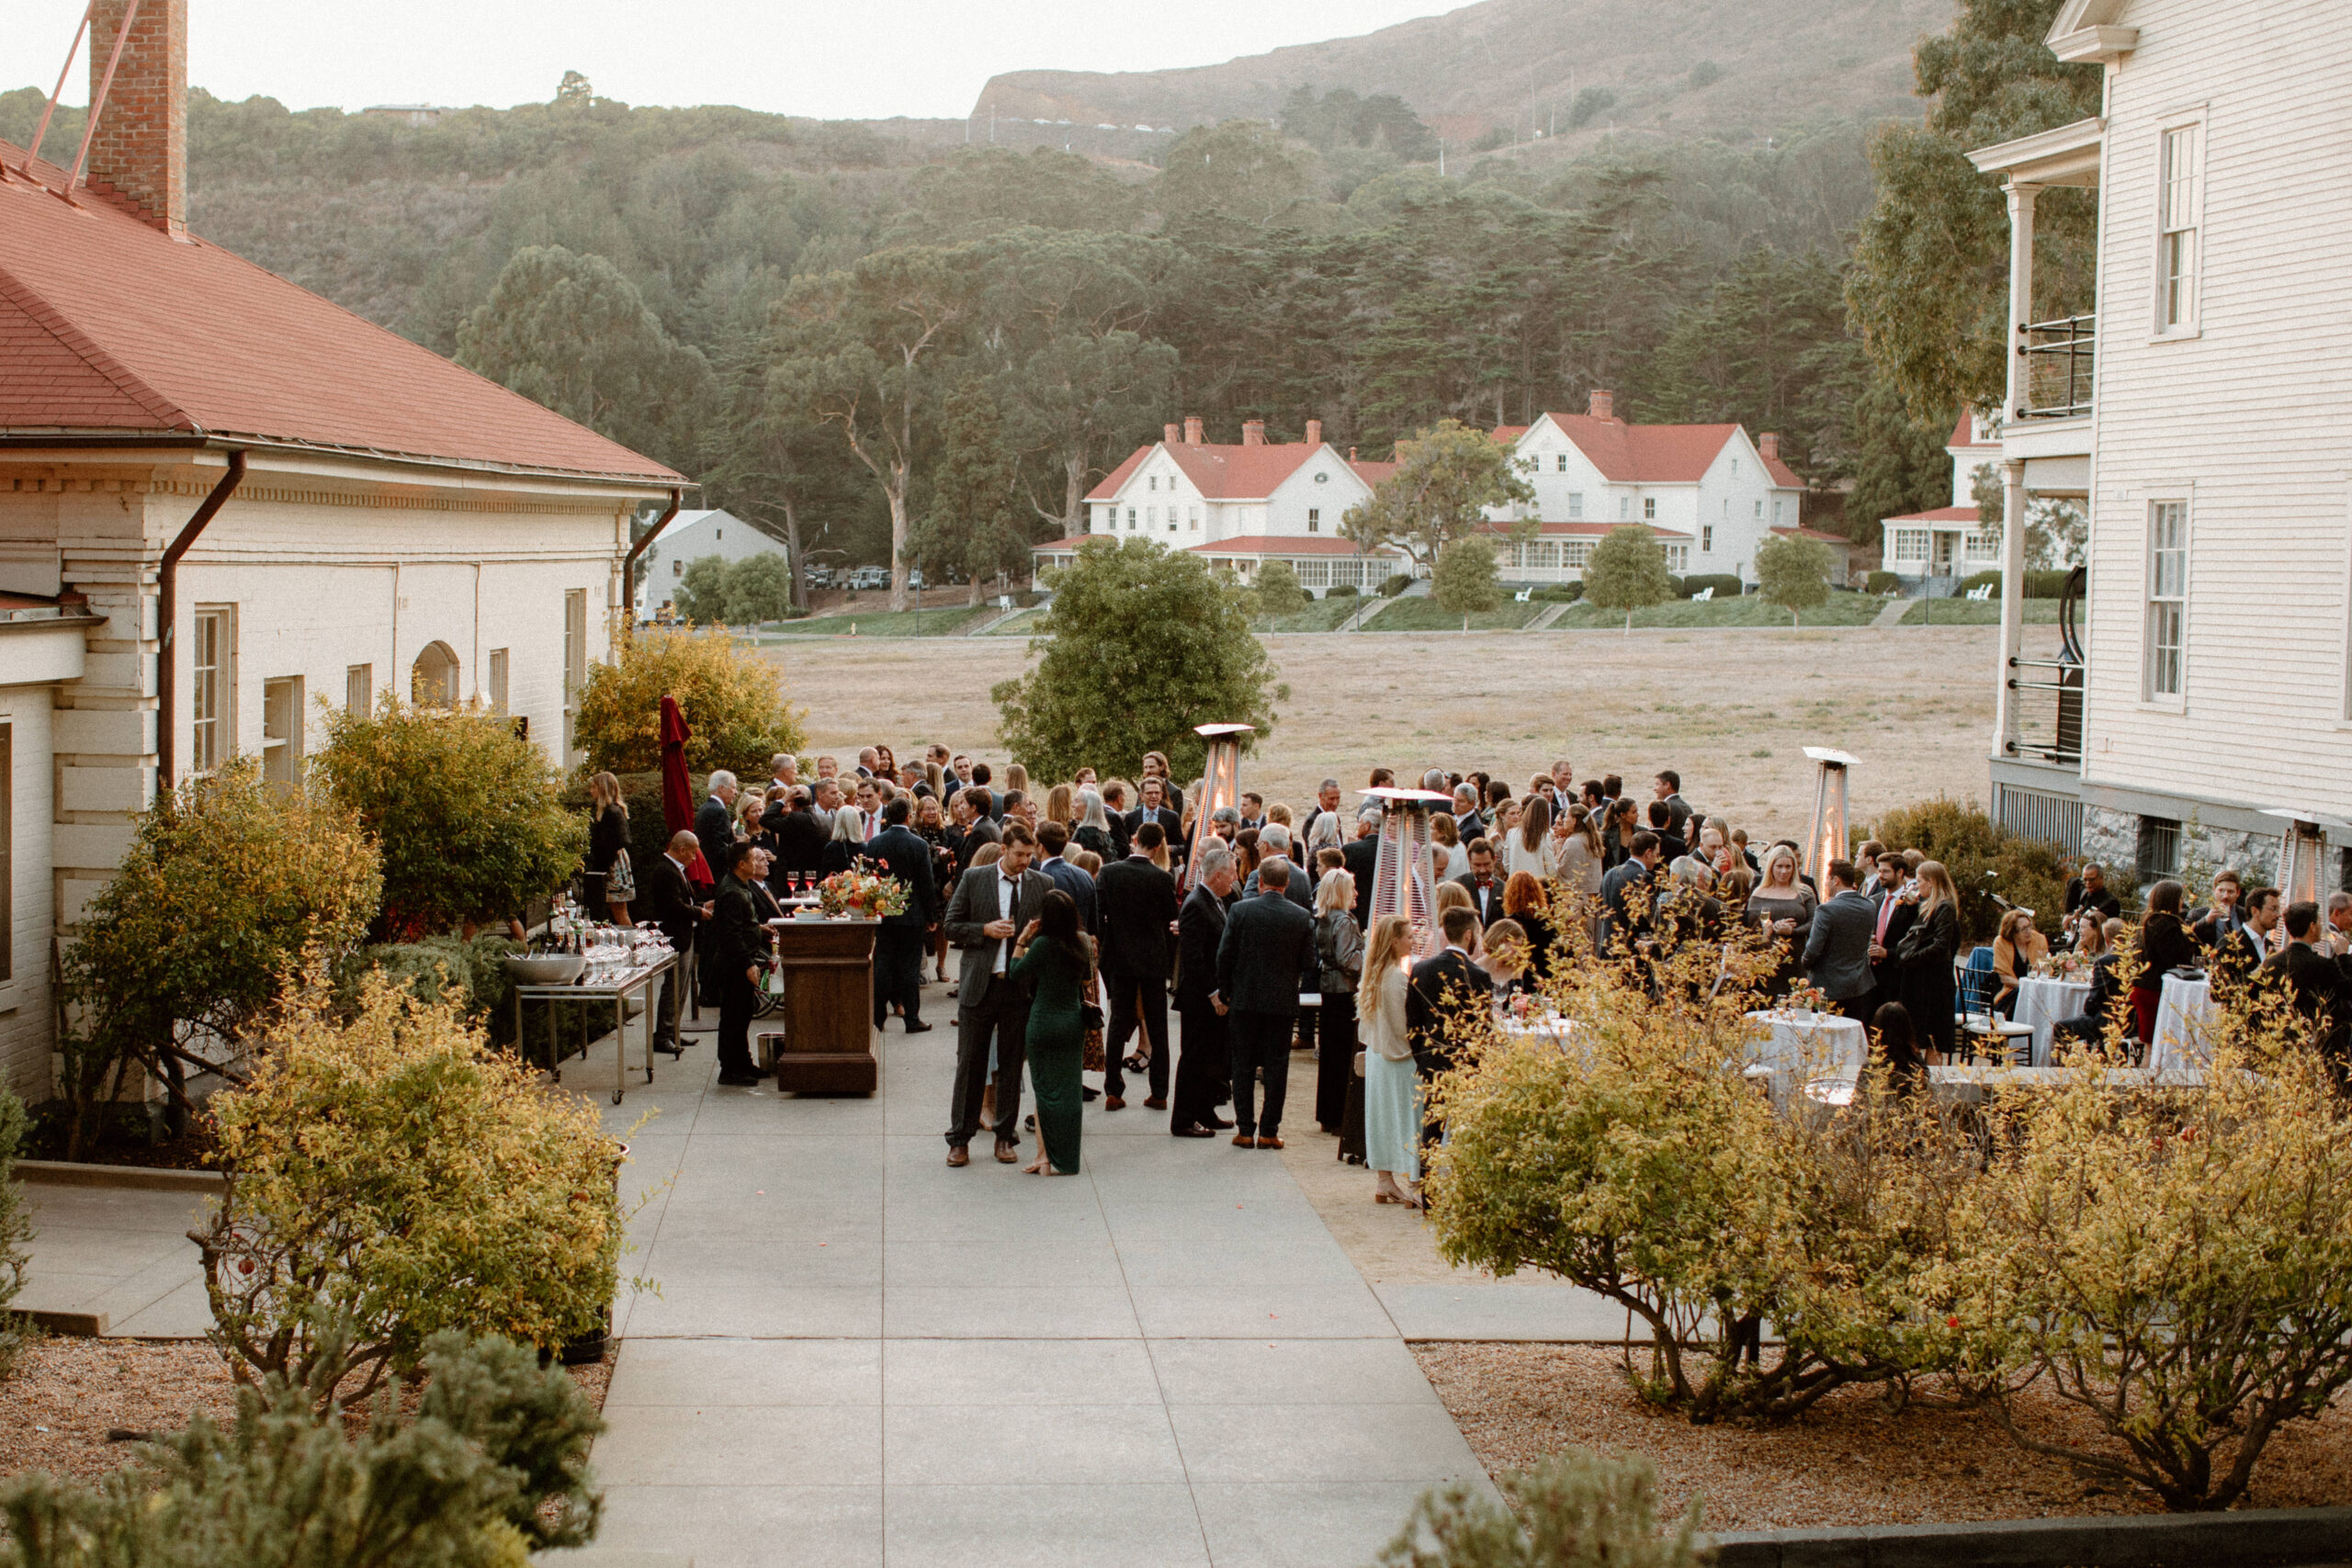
(1244, 1141)
(958, 1153)
(1112, 1102)
(1007, 1151)
(1155, 1103)
(1265, 1143)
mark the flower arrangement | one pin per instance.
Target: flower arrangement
(1806, 998)
(862, 895)
(2062, 966)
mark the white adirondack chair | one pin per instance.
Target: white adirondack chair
(1704, 595)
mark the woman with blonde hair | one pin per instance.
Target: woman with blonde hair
(1446, 846)
(1782, 908)
(608, 845)
(1016, 778)
(1392, 1089)
(1578, 859)
(1924, 959)
(1061, 806)
(1339, 956)
(2017, 948)
(1451, 896)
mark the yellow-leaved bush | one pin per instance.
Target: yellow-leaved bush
(732, 699)
(393, 1175)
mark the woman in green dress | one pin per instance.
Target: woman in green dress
(1055, 958)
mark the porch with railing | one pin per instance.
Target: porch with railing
(2054, 382)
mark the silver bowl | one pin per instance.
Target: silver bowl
(544, 968)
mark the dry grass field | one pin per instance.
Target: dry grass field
(1731, 710)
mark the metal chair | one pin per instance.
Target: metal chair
(2008, 1042)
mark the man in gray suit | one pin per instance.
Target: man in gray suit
(991, 907)
(1267, 944)
(1837, 953)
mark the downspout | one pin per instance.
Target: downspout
(167, 612)
(628, 567)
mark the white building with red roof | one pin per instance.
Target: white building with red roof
(1711, 494)
(1948, 541)
(1241, 505)
(224, 499)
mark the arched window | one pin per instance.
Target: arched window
(433, 679)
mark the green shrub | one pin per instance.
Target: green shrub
(231, 879)
(1726, 584)
(732, 698)
(1983, 857)
(1341, 591)
(2037, 584)
(471, 974)
(494, 1467)
(1028, 599)
(1559, 594)
(468, 815)
(1276, 592)
(15, 1225)
(1882, 582)
(393, 1175)
(1573, 1509)
(1396, 583)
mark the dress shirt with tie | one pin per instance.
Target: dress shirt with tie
(1008, 899)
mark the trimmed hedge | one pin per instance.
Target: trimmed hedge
(1559, 594)
(1726, 584)
(2037, 584)
(1340, 590)
(1882, 582)
(1396, 584)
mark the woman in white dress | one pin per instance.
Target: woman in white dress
(1530, 846)
(1392, 1089)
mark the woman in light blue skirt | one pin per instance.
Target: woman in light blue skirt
(1392, 1089)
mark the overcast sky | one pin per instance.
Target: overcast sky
(864, 59)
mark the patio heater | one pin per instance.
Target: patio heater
(1220, 787)
(1404, 877)
(1827, 840)
(2302, 852)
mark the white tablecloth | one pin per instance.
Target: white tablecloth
(2181, 1010)
(1818, 1044)
(2042, 1003)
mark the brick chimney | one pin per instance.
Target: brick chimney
(1192, 432)
(1253, 433)
(1604, 404)
(140, 153)
(1171, 435)
(1770, 445)
(1314, 433)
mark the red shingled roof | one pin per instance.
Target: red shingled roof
(1657, 453)
(1822, 535)
(1283, 544)
(1589, 530)
(1964, 432)
(107, 324)
(1937, 514)
(1223, 473)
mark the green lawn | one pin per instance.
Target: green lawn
(1977, 612)
(882, 623)
(1843, 609)
(1021, 624)
(1323, 615)
(1424, 614)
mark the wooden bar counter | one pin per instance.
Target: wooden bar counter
(828, 1042)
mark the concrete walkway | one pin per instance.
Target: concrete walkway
(859, 1356)
(120, 1253)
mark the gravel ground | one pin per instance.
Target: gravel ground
(65, 1394)
(1850, 1462)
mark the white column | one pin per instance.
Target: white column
(2021, 200)
(2013, 504)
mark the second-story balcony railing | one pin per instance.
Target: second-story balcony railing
(2057, 379)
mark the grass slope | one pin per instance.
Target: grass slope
(1843, 609)
(1424, 614)
(882, 623)
(1977, 612)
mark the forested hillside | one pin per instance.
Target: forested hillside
(742, 294)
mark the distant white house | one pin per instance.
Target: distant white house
(692, 536)
(1241, 505)
(1948, 541)
(1711, 495)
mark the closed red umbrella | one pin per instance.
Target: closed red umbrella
(677, 791)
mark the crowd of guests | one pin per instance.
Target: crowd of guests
(1080, 911)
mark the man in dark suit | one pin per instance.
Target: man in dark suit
(1628, 896)
(1446, 996)
(738, 944)
(1115, 813)
(799, 837)
(1139, 910)
(1053, 838)
(992, 904)
(2318, 985)
(666, 901)
(715, 822)
(1267, 943)
(972, 807)
(1199, 933)
(1895, 915)
(1838, 952)
(2089, 890)
(1670, 844)
(1361, 856)
(1155, 809)
(2237, 955)
(896, 852)
(1485, 884)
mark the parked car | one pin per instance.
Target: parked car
(870, 577)
(914, 580)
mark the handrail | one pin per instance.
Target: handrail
(2059, 356)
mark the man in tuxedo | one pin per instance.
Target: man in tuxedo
(1671, 847)
(2238, 954)
(1269, 941)
(1139, 920)
(1115, 813)
(1838, 952)
(715, 821)
(1447, 994)
(1199, 933)
(2318, 985)
(1628, 896)
(666, 901)
(971, 808)
(1155, 809)
(992, 904)
(799, 837)
(983, 778)
(1053, 838)
(1327, 802)
(1486, 886)
(1155, 766)
(1361, 856)
(738, 944)
(1564, 786)
(897, 853)
(1895, 917)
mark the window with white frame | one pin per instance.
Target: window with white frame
(1984, 543)
(1313, 573)
(281, 730)
(1576, 552)
(1649, 509)
(1152, 483)
(1707, 539)
(1776, 512)
(499, 665)
(575, 666)
(211, 685)
(678, 567)
(1678, 557)
(2183, 203)
(1315, 520)
(1759, 509)
(1131, 519)
(359, 688)
(1561, 464)
(1911, 544)
(2168, 596)
(1624, 507)
(1575, 506)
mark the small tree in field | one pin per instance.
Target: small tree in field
(1627, 572)
(1276, 592)
(1448, 477)
(733, 700)
(1139, 644)
(1465, 584)
(1794, 574)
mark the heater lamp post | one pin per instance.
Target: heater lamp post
(2302, 850)
(1827, 840)
(1220, 787)
(1404, 877)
